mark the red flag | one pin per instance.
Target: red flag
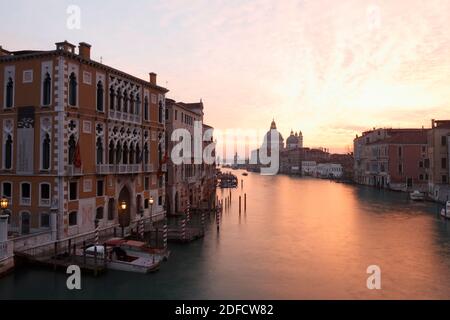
(77, 156)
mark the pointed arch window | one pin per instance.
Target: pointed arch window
(125, 154)
(9, 93)
(119, 100)
(160, 112)
(138, 104)
(100, 96)
(132, 154)
(72, 146)
(111, 98)
(125, 101)
(8, 152)
(99, 149)
(111, 152)
(146, 153)
(132, 103)
(138, 154)
(46, 152)
(46, 90)
(118, 152)
(146, 108)
(73, 86)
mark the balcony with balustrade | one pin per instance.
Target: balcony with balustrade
(118, 168)
(124, 116)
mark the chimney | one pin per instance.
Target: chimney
(153, 78)
(84, 50)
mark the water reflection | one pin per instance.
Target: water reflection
(300, 238)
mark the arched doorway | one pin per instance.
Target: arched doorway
(124, 215)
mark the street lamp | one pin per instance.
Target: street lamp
(4, 203)
(151, 207)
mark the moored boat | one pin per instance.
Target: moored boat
(445, 212)
(124, 259)
(416, 195)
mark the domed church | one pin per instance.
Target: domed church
(294, 140)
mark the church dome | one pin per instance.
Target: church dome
(292, 139)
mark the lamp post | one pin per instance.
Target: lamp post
(151, 208)
(123, 206)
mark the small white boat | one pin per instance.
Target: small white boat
(122, 259)
(445, 212)
(416, 195)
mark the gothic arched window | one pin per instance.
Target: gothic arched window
(132, 154)
(8, 152)
(100, 96)
(125, 154)
(138, 154)
(46, 152)
(118, 152)
(111, 98)
(146, 113)
(72, 146)
(99, 149)
(138, 104)
(119, 100)
(9, 93)
(145, 153)
(160, 112)
(73, 89)
(125, 101)
(46, 90)
(111, 152)
(131, 103)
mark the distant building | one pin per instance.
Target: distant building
(391, 158)
(329, 170)
(437, 164)
(309, 168)
(294, 140)
(188, 183)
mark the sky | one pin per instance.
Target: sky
(329, 68)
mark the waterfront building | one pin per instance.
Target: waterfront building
(309, 168)
(437, 164)
(329, 170)
(391, 158)
(79, 138)
(191, 183)
(291, 160)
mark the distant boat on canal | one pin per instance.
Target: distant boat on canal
(416, 195)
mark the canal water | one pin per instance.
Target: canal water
(300, 238)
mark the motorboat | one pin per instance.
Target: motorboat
(445, 212)
(120, 256)
(245, 174)
(416, 195)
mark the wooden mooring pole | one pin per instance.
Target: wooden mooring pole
(245, 202)
(239, 204)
